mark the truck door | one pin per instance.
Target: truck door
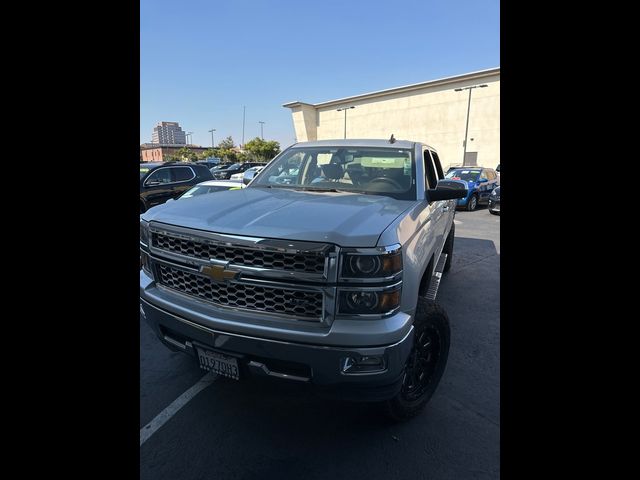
(449, 206)
(440, 210)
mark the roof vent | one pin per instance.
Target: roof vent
(392, 139)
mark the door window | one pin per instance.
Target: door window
(162, 175)
(182, 174)
(429, 168)
(436, 161)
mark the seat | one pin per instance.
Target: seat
(332, 171)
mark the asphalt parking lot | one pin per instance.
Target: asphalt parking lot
(260, 429)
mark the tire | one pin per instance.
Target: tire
(431, 324)
(472, 203)
(448, 248)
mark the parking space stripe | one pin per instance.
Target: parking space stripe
(162, 418)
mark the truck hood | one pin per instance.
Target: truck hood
(345, 219)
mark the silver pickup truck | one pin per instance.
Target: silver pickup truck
(324, 270)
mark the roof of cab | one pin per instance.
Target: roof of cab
(359, 142)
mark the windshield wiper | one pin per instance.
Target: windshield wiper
(326, 189)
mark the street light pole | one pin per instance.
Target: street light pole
(188, 135)
(345, 118)
(466, 130)
(243, 112)
(213, 144)
(261, 131)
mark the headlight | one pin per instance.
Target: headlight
(365, 265)
(144, 233)
(369, 301)
(493, 194)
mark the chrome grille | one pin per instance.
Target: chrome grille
(294, 262)
(296, 303)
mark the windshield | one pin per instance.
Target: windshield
(371, 170)
(462, 174)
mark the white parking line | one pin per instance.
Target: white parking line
(162, 418)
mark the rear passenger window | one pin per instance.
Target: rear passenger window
(182, 174)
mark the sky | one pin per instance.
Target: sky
(202, 61)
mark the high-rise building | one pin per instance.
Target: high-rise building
(169, 133)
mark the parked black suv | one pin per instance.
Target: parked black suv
(235, 168)
(161, 181)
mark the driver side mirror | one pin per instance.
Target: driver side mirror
(483, 180)
(447, 190)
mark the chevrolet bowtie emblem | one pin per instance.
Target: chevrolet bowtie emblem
(219, 273)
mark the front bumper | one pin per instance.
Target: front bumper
(318, 365)
(494, 205)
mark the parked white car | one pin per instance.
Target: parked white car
(238, 177)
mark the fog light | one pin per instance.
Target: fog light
(363, 364)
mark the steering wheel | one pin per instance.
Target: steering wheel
(387, 180)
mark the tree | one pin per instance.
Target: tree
(225, 150)
(209, 152)
(262, 149)
(187, 154)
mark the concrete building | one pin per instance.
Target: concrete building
(169, 133)
(152, 152)
(432, 112)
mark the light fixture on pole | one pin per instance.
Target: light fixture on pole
(213, 144)
(466, 130)
(345, 118)
(261, 131)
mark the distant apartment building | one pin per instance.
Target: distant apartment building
(169, 133)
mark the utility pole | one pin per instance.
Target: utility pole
(261, 131)
(466, 130)
(243, 116)
(345, 118)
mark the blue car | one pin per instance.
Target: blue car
(480, 183)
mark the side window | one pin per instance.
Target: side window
(432, 179)
(162, 175)
(491, 174)
(436, 160)
(182, 174)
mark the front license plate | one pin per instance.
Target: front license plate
(218, 363)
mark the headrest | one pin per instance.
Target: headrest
(332, 171)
